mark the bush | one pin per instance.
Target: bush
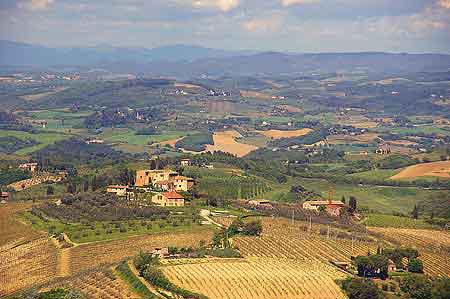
(416, 286)
(357, 288)
(415, 266)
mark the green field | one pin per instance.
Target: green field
(382, 220)
(100, 231)
(43, 138)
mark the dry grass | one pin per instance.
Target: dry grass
(362, 139)
(278, 134)
(257, 278)
(226, 142)
(436, 169)
(290, 108)
(13, 231)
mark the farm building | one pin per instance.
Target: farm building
(117, 189)
(32, 167)
(160, 252)
(332, 207)
(383, 150)
(261, 203)
(185, 162)
(168, 199)
(183, 183)
(148, 177)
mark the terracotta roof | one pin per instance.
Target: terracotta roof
(165, 182)
(172, 195)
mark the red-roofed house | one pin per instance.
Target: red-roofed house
(168, 199)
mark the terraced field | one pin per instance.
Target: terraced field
(258, 278)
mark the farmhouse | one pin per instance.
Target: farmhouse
(148, 177)
(168, 199)
(383, 150)
(183, 183)
(117, 189)
(32, 167)
(332, 207)
(185, 162)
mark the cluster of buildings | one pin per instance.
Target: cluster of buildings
(332, 207)
(164, 183)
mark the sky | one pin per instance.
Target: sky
(414, 26)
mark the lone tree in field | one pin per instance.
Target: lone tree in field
(50, 190)
(353, 203)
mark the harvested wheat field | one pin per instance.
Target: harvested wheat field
(278, 134)
(436, 169)
(226, 142)
(257, 278)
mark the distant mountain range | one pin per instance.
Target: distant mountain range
(187, 61)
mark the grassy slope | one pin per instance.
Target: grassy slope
(381, 220)
(382, 199)
(44, 139)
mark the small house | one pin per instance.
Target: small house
(391, 266)
(261, 203)
(4, 196)
(383, 150)
(32, 167)
(168, 199)
(160, 252)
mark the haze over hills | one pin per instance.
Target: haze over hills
(188, 60)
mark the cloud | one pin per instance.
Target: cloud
(223, 5)
(298, 2)
(267, 24)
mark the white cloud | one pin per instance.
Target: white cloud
(298, 2)
(223, 5)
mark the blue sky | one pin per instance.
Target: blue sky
(280, 25)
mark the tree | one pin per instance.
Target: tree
(415, 212)
(50, 190)
(86, 186)
(441, 288)
(357, 288)
(71, 188)
(415, 266)
(353, 203)
(416, 286)
(343, 199)
(94, 183)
